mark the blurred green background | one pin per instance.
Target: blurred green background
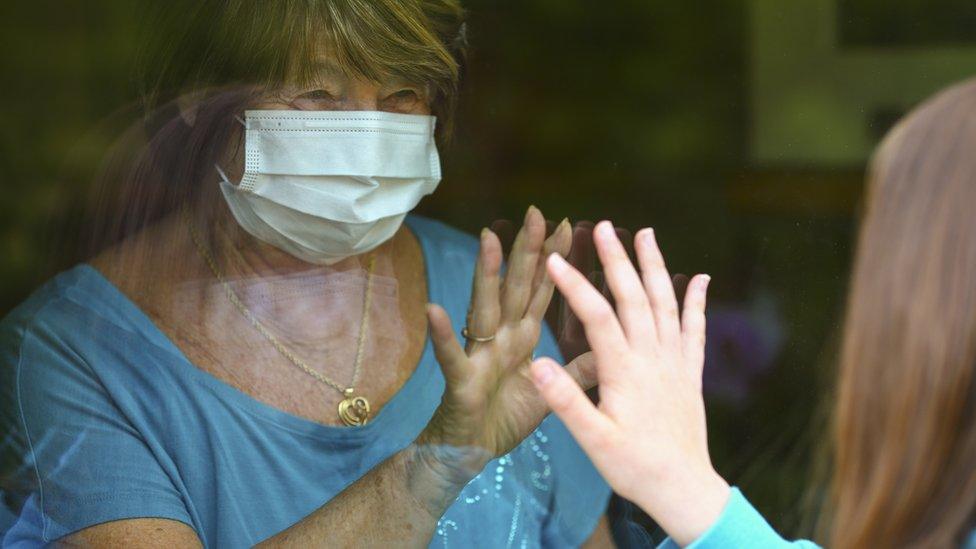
(739, 129)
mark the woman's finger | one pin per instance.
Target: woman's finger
(485, 311)
(558, 243)
(447, 349)
(693, 322)
(600, 323)
(657, 284)
(517, 287)
(585, 422)
(584, 371)
(633, 308)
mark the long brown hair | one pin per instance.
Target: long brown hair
(905, 428)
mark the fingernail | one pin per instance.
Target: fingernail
(542, 372)
(604, 230)
(645, 236)
(529, 213)
(557, 263)
(649, 237)
(705, 280)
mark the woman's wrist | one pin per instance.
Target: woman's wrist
(436, 473)
(687, 505)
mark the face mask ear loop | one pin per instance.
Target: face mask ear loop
(223, 176)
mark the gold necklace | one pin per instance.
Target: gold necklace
(353, 410)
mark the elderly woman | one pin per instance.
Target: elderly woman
(266, 347)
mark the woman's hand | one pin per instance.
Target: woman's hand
(647, 436)
(490, 403)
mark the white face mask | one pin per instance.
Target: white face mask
(327, 185)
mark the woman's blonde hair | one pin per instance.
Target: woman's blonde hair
(213, 44)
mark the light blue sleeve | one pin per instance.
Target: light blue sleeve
(581, 494)
(82, 462)
(740, 525)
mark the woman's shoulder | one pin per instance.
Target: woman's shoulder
(46, 341)
(75, 310)
(51, 300)
(80, 288)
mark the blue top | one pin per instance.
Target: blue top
(108, 420)
(740, 525)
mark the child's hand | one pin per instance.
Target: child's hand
(647, 436)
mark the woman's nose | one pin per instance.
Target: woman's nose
(360, 104)
(361, 96)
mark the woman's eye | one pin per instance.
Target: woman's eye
(318, 95)
(404, 100)
(405, 94)
(310, 100)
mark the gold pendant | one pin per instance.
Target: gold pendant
(353, 410)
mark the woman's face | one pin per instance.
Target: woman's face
(332, 90)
